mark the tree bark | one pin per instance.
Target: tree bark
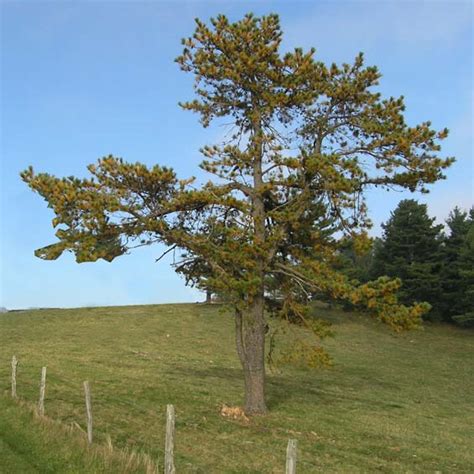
(250, 341)
(252, 323)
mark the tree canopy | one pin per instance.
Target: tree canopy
(308, 140)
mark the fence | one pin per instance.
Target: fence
(169, 464)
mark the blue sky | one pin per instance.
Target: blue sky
(80, 80)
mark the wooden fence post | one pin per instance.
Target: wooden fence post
(14, 365)
(87, 391)
(291, 456)
(42, 392)
(169, 443)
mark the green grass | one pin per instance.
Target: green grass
(391, 403)
(32, 445)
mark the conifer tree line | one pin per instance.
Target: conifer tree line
(434, 262)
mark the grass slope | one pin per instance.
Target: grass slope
(391, 403)
(30, 445)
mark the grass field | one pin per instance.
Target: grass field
(391, 403)
(30, 446)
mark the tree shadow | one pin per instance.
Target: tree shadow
(284, 389)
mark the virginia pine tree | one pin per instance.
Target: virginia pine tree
(308, 140)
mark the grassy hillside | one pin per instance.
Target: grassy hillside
(29, 445)
(391, 403)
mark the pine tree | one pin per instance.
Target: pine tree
(465, 314)
(355, 263)
(308, 140)
(456, 274)
(411, 250)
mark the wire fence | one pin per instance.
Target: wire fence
(87, 401)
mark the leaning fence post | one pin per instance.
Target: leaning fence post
(291, 456)
(169, 442)
(42, 392)
(87, 391)
(14, 365)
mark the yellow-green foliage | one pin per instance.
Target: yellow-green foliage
(308, 140)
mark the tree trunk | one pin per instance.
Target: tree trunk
(208, 296)
(250, 341)
(251, 325)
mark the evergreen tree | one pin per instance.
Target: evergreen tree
(196, 273)
(355, 263)
(308, 140)
(411, 250)
(457, 298)
(465, 314)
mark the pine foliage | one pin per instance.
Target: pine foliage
(308, 140)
